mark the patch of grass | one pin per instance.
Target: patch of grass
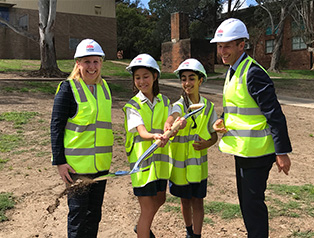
(225, 210)
(302, 234)
(118, 88)
(9, 142)
(2, 162)
(304, 192)
(6, 202)
(208, 221)
(293, 201)
(173, 199)
(9, 65)
(44, 87)
(18, 118)
(294, 74)
(118, 137)
(169, 208)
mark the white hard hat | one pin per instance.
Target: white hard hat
(144, 60)
(88, 47)
(191, 64)
(229, 30)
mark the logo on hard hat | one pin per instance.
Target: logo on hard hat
(138, 60)
(186, 64)
(89, 48)
(220, 32)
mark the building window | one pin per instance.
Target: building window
(269, 46)
(73, 42)
(97, 9)
(298, 43)
(23, 22)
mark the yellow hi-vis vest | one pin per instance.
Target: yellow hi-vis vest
(190, 165)
(157, 165)
(88, 136)
(248, 132)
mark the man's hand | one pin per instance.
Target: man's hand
(219, 126)
(283, 163)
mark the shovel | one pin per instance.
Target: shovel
(137, 167)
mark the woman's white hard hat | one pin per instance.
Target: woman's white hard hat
(193, 65)
(229, 30)
(143, 60)
(88, 47)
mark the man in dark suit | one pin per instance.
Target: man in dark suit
(254, 126)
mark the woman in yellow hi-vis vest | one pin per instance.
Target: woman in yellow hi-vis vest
(188, 149)
(145, 115)
(81, 136)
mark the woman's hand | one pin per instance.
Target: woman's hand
(64, 172)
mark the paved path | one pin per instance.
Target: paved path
(216, 89)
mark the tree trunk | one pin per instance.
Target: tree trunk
(274, 64)
(47, 17)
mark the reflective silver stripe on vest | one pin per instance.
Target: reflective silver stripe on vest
(105, 91)
(79, 128)
(243, 111)
(208, 107)
(80, 91)
(154, 157)
(88, 151)
(242, 71)
(184, 139)
(164, 98)
(134, 104)
(191, 161)
(249, 133)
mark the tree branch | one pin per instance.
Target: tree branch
(20, 32)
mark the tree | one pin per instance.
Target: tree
(136, 30)
(303, 16)
(47, 17)
(277, 11)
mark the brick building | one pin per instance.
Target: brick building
(182, 47)
(75, 20)
(294, 53)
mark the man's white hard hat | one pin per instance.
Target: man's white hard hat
(88, 47)
(229, 30)
(143, 60)
(193, 65)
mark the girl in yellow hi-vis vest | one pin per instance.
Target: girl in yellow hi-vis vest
(188, 149)
(145, 116)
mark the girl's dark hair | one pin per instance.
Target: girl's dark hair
(155, 84)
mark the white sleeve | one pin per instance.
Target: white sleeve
(176, 108)
(212, 119)
(134, 119)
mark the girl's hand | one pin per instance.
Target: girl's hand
(201, 144)
(163, 139)
(219, 126)
(182, 121)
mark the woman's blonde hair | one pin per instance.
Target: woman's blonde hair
(76, 74)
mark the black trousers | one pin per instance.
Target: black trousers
(85, 211)
(252, 175)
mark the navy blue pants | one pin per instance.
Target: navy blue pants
(85, 211)
(251, 185)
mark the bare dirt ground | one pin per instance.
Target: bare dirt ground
(35, 183)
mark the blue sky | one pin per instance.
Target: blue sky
(248, 2)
